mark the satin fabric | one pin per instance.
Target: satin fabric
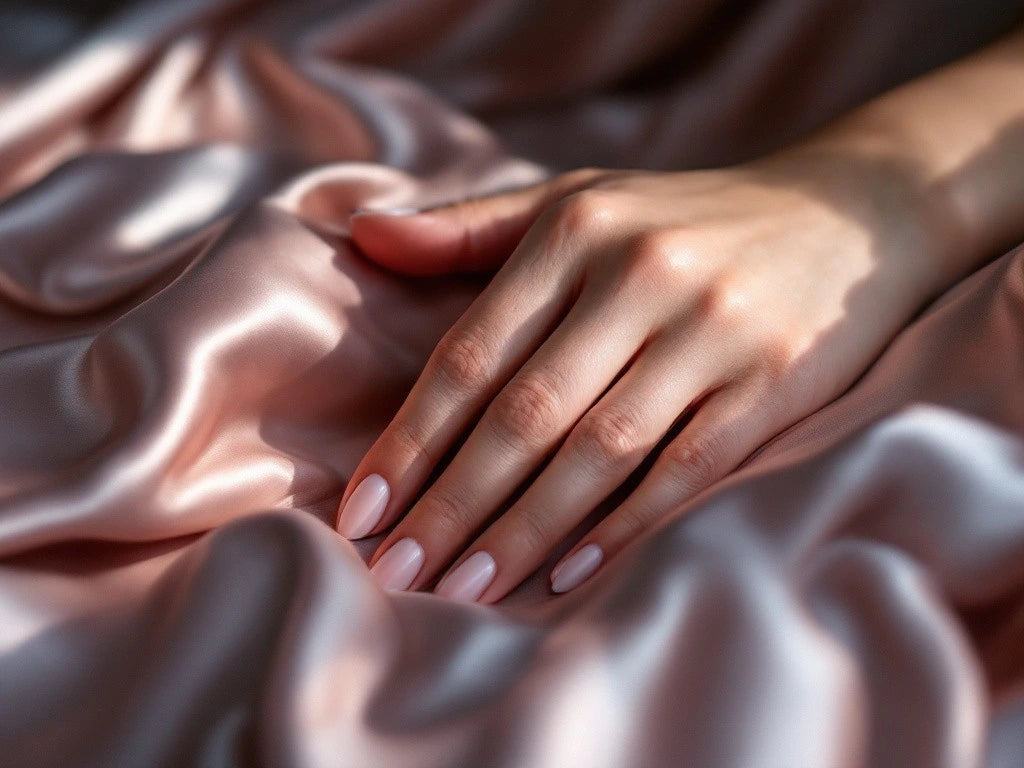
(193, 358)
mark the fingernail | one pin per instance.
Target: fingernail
(577, 569)
(365, 507)
(396, 211)
(469, 580)
(397, 567)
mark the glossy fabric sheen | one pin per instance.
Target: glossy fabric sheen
(193, 359)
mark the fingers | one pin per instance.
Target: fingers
(469, 236)
(471, 363)
(723, 432)
(519, 429)
(600, 453)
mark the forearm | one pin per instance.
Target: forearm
(953, 142)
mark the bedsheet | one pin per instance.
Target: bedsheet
(193, 357)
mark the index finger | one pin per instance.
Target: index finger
(470, 364)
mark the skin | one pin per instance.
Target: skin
(733, 302)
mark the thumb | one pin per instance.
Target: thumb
(469, 236)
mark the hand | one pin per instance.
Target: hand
(737, 300)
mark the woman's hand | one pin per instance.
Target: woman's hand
(737, 301)
(734, 302)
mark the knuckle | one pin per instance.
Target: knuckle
(632, 520)
(692, 462)
(534, 531)
(444, 514)
(658, 256)
(583, 211)
(783, 355)
(464, 358)
(779, 367)
(608, 437)
(527, 411)
(722, 301)
(410, 441)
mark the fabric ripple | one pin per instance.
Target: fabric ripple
(193, 358)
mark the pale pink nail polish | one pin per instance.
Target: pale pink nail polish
(365, 507)
(397, 568)
(471, 579)
(577, 569)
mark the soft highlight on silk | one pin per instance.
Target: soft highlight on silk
(193, 358)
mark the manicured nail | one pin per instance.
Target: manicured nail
(469, 580)
(365, 507)
(397, 567)
(396, 211)
(577, 569)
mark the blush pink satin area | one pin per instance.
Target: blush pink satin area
(192, 360)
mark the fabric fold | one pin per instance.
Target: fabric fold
(193, 357)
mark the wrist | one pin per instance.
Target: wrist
(873, 174)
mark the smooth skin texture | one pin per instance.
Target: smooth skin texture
(732, 302)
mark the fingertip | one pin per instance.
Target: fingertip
(576, 568)
(404, 240)
(397, 568)
(468, 581)
(365, 507)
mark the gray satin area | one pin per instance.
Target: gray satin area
(193, 359)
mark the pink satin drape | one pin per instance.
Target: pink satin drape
(192, 359)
